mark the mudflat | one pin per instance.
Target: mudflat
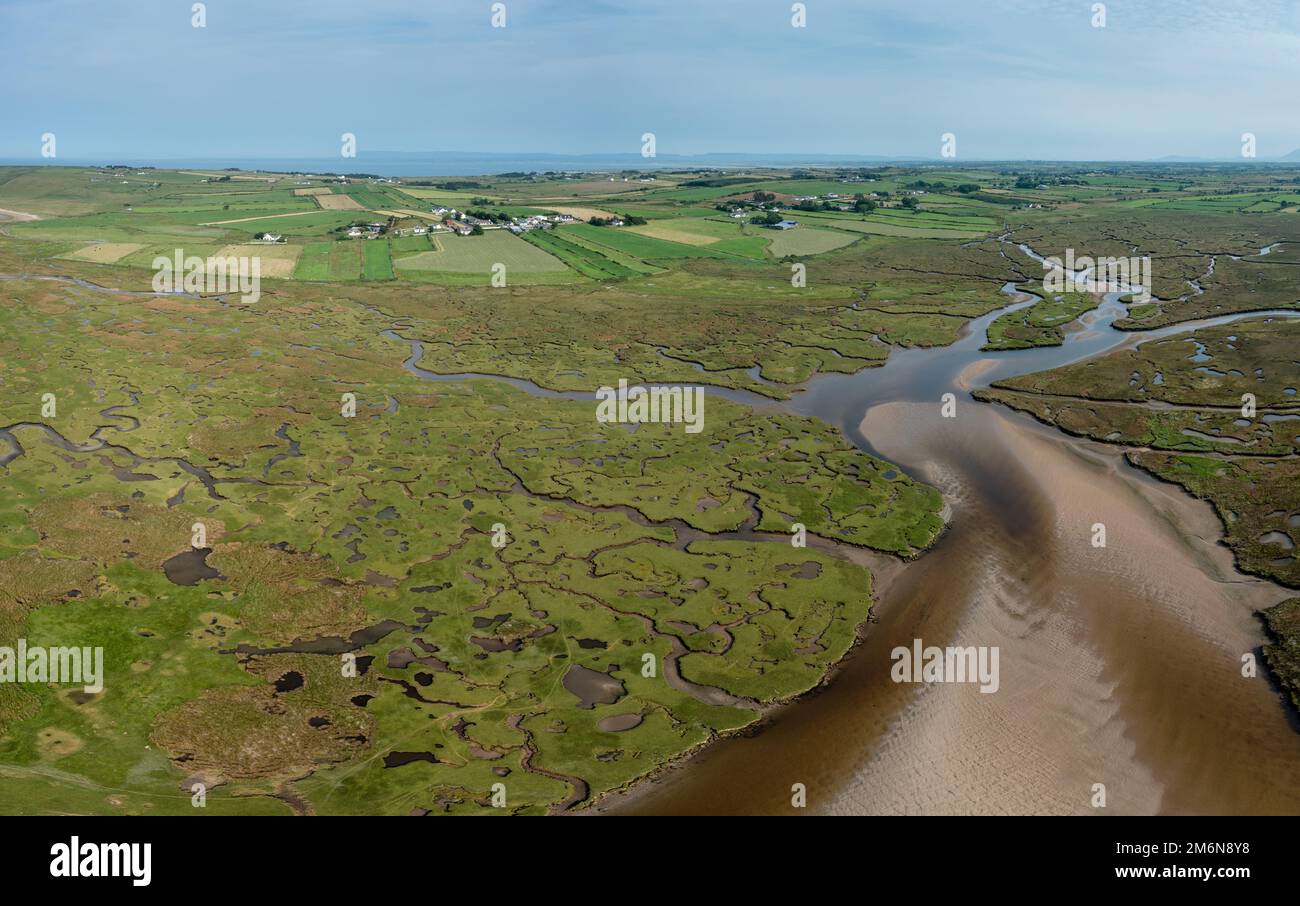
(1124, 662)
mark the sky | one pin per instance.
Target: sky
(1010, 79)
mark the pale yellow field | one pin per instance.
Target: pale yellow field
(401, 213)
(259, 217)
(582, 213)
(104, 252)
(313, 190)
(660, 230)
(278, 259)
(338, 203)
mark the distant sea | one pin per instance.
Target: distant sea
(469, 163)
(482, 163)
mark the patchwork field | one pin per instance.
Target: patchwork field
(583, 213)
(671, 231)
(805, 240)
(257, 218)
(338, 203)
(477, 255)
(499, 566)
(409, 212)
(483, 664)
(376, 262)
(277, 259)
(104, 252)
(162, 209)
(334, 261)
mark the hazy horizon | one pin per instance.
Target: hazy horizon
(386, 163)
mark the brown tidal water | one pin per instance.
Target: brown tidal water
(1118, 666)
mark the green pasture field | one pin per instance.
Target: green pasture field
(650, 249)
(477, 255)
(803, 240)
(409, 245)
(377, 261)
(586, 261)
(603, 253)
(330, 261)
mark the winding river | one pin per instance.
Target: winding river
(1119, 666)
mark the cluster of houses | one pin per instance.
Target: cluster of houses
(537, 222)
(844, 202)
(463, 224)
(457, 221)
(740, 209)
(368, 231)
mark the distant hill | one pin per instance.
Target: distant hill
(1189, 159)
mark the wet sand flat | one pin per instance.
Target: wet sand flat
(1119, 666)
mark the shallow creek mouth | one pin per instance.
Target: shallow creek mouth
(1119, 666)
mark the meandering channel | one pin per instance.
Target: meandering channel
(1119, 666)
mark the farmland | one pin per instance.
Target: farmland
(533, 598)
(376, 262)
(106, 216)
(476, 255)
(515, 645)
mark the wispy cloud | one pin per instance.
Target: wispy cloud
(1013, 78)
